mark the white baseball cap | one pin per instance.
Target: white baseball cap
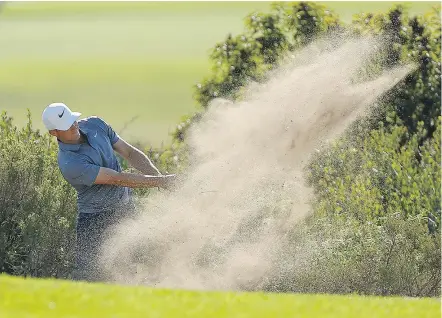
(59, 116)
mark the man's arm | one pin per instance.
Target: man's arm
(136, 158)
(132, 180)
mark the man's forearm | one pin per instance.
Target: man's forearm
(142, 163)
(133, 180)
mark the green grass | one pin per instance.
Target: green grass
(34, 298)
(116, 60)
(120, 60)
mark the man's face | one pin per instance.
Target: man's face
(71, 135)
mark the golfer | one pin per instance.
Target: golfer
(87, 161)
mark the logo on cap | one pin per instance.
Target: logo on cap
(61, 114)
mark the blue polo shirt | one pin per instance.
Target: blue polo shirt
(80, 163)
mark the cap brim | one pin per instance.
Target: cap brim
(69, 123)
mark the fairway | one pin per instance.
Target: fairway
(133, 64)
(117, 60)
(43, 298)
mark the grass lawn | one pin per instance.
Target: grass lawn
(33, 298)
(124, 61)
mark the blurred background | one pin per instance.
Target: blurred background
(132, 63)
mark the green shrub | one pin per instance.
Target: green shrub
(37, 206)
(267, 38)
(346, 256)
(408, 39)
(378, 175)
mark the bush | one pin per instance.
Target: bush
(369, 178)
(37, 206)
(415, 100)
(346, 256)
(267, 38)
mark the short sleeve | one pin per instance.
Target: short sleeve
(113, 136)
(80, 173)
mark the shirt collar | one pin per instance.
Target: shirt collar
(72, 147)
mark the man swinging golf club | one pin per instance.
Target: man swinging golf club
(87, 161)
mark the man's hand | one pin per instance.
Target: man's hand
(170, 180)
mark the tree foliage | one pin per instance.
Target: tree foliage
(267, 38)
(375, 176)
(409, 39)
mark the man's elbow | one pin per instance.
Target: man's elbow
(124, 149)
(108, 176)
